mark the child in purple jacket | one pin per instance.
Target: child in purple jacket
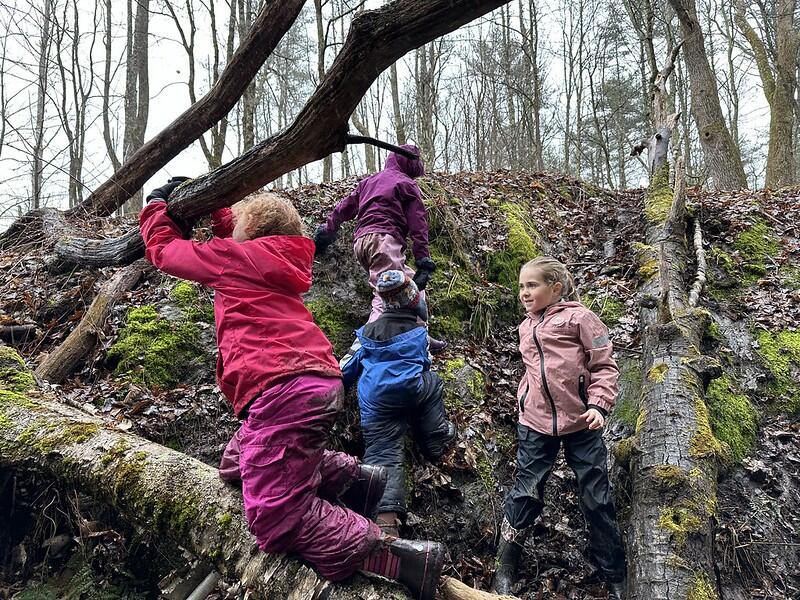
(388, 208)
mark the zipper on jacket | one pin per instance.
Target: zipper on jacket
(544, 378)
(582, 390)
(523, 398)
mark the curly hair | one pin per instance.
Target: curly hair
(269, 214)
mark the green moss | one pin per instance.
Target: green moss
(703, 443)
(658, 201)
(701, 588)
(609, 309)
(669, 476)
(446, 326)
(733, 418)
(16, 380)
(504, 266)
(714, 332)
(755, 245)
(187, 297)
(790, 277)
(640, 420)
(658, 373)
(504, 441)
(9, 397)
(626, 411)
(725, 262)
(780, 353)
(623, 451)
(224, 520)
(154, 350)
(336, 323)
(649, 269)
(9, 355)
(681, 522)
(176, 513)
(184, 294)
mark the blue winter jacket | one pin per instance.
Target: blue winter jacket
(390, 372)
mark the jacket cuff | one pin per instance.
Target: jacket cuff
(599, 408)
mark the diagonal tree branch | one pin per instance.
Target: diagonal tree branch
(376, 39)
(270, 26)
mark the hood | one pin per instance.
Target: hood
(283, 261)
(412, 168)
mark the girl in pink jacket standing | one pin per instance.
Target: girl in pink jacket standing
(569, 386)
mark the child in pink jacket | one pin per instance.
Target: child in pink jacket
(569, 387)
(278, 371)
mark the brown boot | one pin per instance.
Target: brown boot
(415, 564)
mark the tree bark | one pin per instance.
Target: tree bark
(268, 29)
(62, 361)
(399, 121)
(719, 148)
(41, 94)
(779, 85)
(376, 40)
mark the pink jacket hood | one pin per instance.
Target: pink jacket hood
(568, 368)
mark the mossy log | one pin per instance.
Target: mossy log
(675, 454)
(163, 491)
(62, 361)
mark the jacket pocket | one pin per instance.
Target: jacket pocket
(582, 390)
(524, 397)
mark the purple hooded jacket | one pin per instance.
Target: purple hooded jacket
(388, 202)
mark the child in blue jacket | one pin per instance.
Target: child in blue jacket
(396, 389)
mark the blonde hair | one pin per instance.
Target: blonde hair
(554, 271)
(268, 214)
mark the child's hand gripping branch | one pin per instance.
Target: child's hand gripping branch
(163, 193)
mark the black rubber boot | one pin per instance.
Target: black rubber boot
(420, 566)
(366, 490)
(505, 574)
(436, 346)
(617, 589)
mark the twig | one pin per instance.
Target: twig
(363, 139)
(700, 254)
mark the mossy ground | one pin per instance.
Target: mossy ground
(154, 350)
(188, 298)
(734, 420)
(780, 353)
(755, 246)
(522, 245)
(609, 309)
(336, 322)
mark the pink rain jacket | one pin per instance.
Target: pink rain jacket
(265, 333)
(568, 368)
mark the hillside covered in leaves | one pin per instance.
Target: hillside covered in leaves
(152, 374)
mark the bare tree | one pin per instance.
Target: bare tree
(45, 43)
(777, 70)
(137, 88)
(719, 148)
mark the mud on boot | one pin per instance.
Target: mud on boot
(507, 561)
(366, 490)
(414, 563)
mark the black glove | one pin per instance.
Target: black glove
(163, 192)
(322, 239)
(425, 268)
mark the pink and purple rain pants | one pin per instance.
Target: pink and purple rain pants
(376, 253)
(289, 479)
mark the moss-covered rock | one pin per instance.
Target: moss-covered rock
(734, 420)
(194, 306)
(464, 386)
(154, 350)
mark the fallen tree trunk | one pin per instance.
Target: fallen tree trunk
(161, 490)
(675, 454)
(62, 361)
(165, 492)
(377, 38)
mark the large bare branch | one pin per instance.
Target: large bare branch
(376, 40)
(270, 26)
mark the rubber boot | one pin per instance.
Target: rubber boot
(436, 346)
(617, 589)
(415, 564)
(508, 552)
(366, 490)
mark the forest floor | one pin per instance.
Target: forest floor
(152, 374)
